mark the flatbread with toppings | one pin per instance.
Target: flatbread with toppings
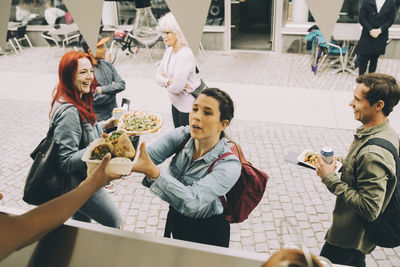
(118, 144)
(138, 122)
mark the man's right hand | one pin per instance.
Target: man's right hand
(322, 168)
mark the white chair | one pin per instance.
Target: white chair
(20, 35)
(10, 44)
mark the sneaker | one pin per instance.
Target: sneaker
(110, 188)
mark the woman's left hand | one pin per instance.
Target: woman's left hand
(145, 165)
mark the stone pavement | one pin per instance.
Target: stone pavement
(293, 192)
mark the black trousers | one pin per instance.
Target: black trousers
(179, 118)
(363, 63)
(214, 230)
(344, 256)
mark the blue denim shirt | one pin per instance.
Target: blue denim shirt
(68, 134)
(189, 187)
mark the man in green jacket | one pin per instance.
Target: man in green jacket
(375, 95)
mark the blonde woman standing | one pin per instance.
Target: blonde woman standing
(177, 70)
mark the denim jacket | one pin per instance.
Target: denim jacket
(72, 139)
(188, 186)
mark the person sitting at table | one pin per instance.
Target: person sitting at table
(22, 12)
(52, 13)
(195, 213)
(19, 231)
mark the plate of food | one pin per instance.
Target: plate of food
(121, 149)
(140, 122)
(308, 158)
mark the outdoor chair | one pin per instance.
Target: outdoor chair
(10, 43)
(50, 39)
(335, 54)
(322, 51)
(20, 35)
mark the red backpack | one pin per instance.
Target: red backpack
(248, 191)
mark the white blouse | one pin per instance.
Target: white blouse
(180, 69)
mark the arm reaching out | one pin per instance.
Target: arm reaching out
(18, 231)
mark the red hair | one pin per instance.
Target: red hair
(65, 92)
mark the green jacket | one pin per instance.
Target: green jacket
(376, 170)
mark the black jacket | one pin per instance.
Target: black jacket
(370, 19)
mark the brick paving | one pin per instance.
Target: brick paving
(293, 193)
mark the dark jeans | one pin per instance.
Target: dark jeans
(179, 118)
(344, 256)
(214, 230)
(363, 63)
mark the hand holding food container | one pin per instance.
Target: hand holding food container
(123, 142)
(121, 149)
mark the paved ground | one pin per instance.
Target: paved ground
(293, 192)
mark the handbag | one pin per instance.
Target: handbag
(45, 181)
(196, 92)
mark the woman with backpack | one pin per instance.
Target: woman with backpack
(196, 213)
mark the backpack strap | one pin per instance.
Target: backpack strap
(384, 144)
(221, 198)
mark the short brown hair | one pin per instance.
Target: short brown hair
(381, 87)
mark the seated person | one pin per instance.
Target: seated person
(52, 13)
(22, 13)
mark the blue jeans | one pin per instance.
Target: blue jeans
(100, 208)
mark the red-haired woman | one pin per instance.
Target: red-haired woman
(76, 128)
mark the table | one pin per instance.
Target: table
(349, 34)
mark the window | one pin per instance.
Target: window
(127, 11)
(348, 14)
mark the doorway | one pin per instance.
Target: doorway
(251, 24)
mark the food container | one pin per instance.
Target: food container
(122, 166)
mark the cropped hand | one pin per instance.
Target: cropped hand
(375, 32)
(145, 165)
(98, 89)
(98, 176)
(322, 168)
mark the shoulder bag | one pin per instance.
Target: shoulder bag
(45, 181)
